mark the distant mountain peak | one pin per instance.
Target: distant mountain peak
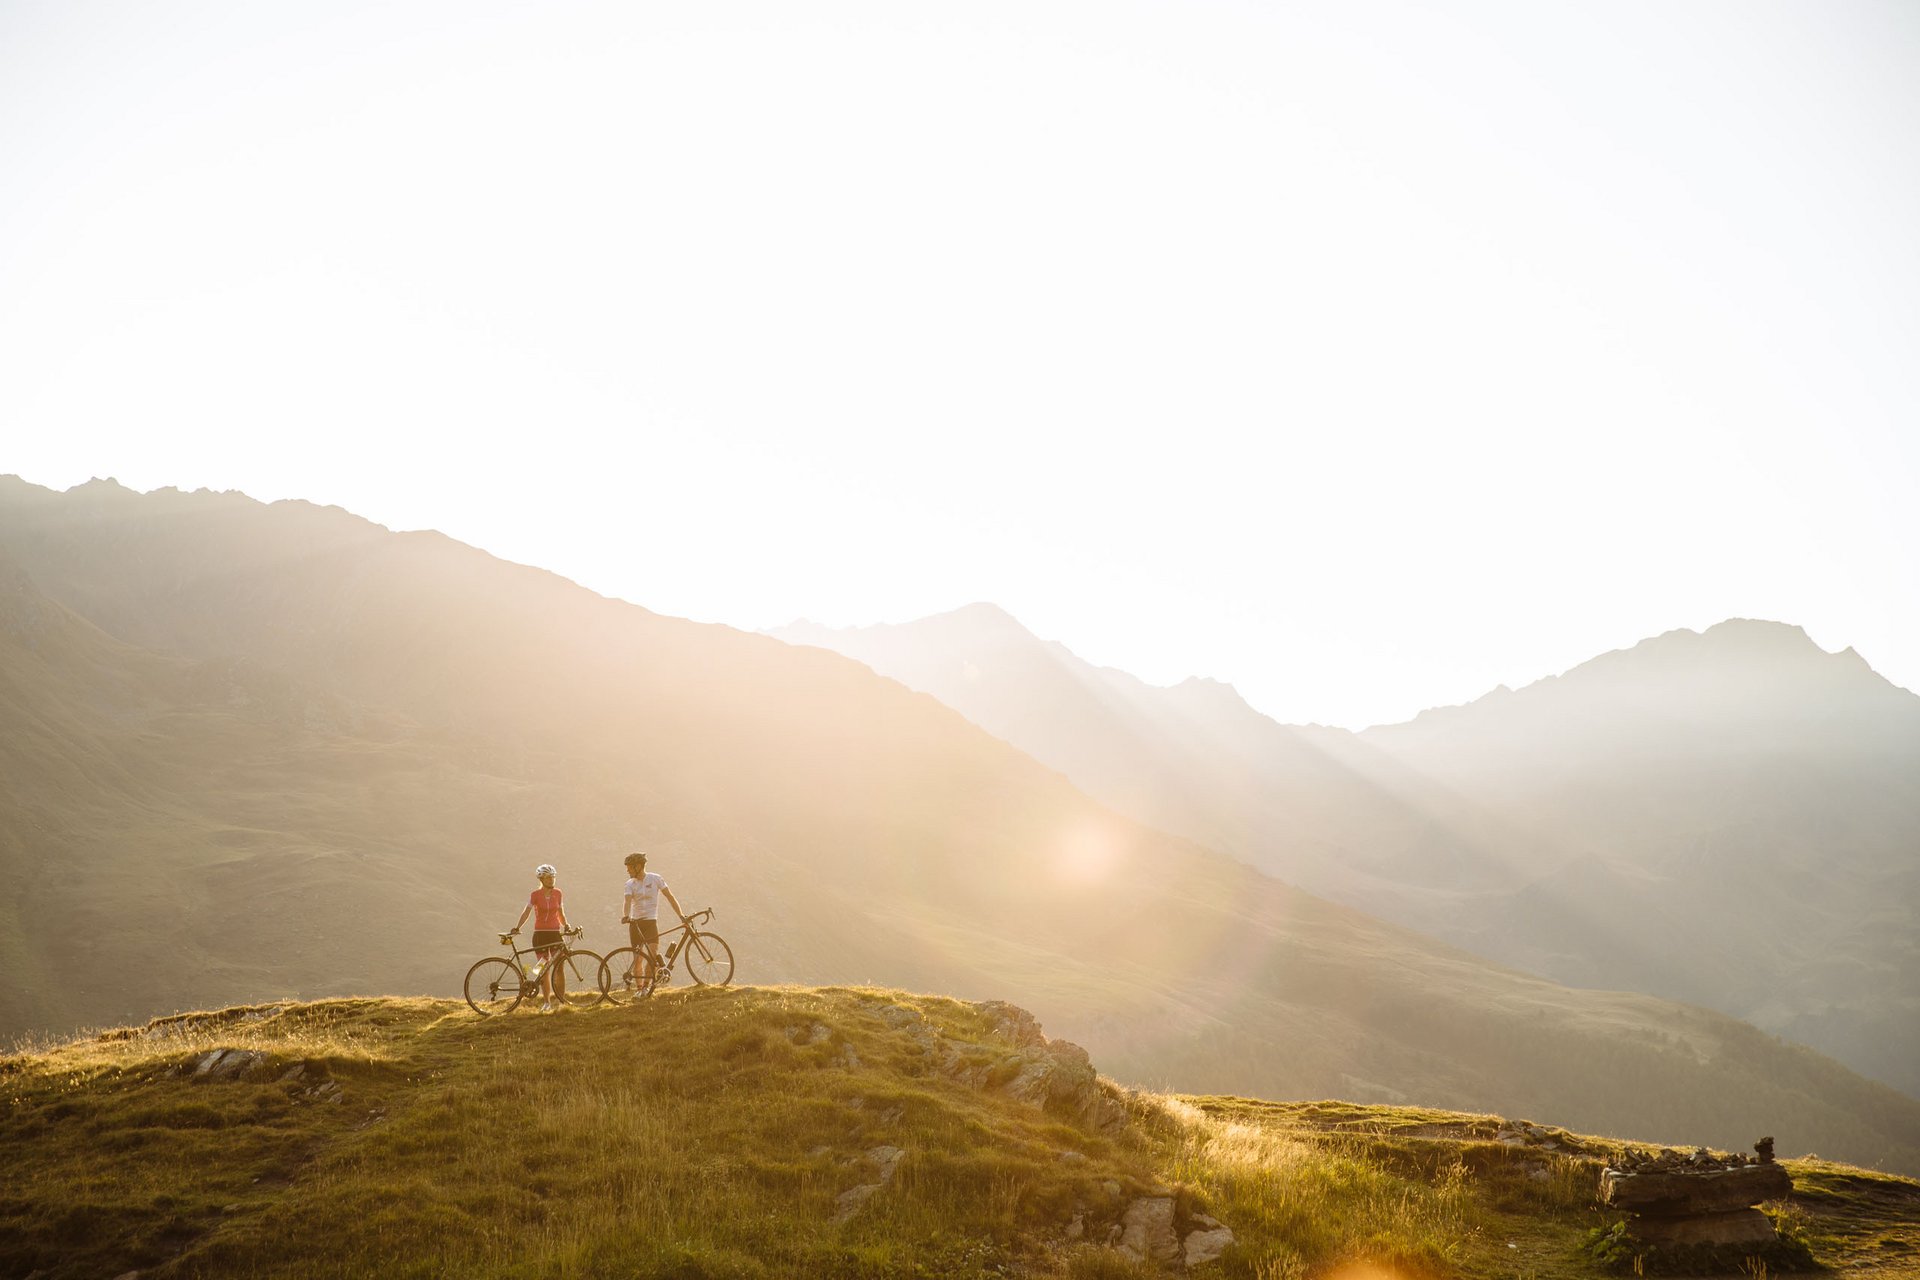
(1207, 690)
(99, 487)
(1747, 640)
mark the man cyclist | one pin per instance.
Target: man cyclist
(547, 907)
(640, 912)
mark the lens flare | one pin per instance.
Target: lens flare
(1087, 854)
(1366, 1271)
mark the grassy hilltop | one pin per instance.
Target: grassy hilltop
(766, 1132)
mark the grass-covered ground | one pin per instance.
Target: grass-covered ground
(730, 1133)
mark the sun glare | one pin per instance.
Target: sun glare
(1366, 1271)
(1087, 854)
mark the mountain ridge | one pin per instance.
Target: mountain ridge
(490, 716)
(1588, 826)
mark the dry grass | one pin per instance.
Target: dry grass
(712, 1133)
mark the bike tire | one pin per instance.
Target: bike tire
(493, 986)
(578, 973)
(617, 976)
(707, 959)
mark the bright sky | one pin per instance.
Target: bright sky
(1363, 355)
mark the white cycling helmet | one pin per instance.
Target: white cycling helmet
(545, 869)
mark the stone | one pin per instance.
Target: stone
(849, 1201)
(887, 1159)
(226, 1064)
(1205, 1246)
(1671, 1195)
(818, 1033)
(899, 1015)
(1146, 1231)
(1738, 1226)
(1077, 1227)
(1011, 1022)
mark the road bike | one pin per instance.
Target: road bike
(626, 974)
(497, 985)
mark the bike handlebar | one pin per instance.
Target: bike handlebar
(506, 939)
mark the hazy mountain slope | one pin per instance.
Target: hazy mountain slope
(1314, 805)
(763, 1132)
(338, 778)
(1743, 819)
(1730, 818)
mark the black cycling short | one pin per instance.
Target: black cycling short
(546, 941)
(642, 932)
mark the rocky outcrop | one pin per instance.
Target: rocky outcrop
(1153, 1230)
(1019, 1061)
(225, 1064)
(1699, 1200)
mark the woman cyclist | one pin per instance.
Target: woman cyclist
(545, 905)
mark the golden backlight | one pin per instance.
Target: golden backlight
(1088, 853)
(1367, 1271)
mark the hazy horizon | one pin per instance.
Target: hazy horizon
(792, 623)
(1365, 358)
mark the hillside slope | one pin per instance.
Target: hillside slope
(299, 755)
(767, 1132)
(1728, 818)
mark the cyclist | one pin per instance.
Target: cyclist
(546, 906)
(641, 909)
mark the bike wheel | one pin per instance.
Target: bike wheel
(708, 959)
(617, 975)
(493, 986)
(576, 977)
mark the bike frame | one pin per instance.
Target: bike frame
(688, 926)
(530, 979)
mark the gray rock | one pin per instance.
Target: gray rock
(900, 1015)
(887, 1159)
(1146, 1231)
(226, 1064)
(1205, 1246)
(1741, 1226)
(1011, 1022)
(1677, 1194)
(849, 1201)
